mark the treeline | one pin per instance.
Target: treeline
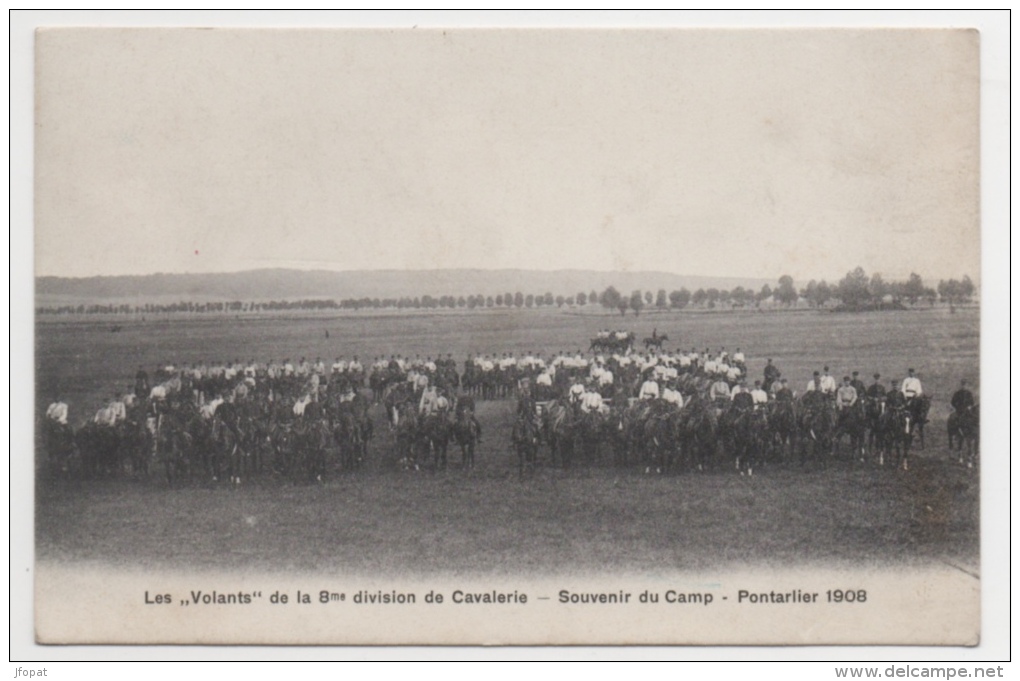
(856, 291)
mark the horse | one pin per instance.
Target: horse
(378, 380)
(874, 408)
(99, 445)
(655, 341)
(661, 437)
(405, 426)
(470, 379)
(616, 429)
(224, 452)
(136, 443)
(634, 419)
(852, 422)
(182, 436)
(816, 428)
(588, 428)
(312, 439)
(58, 443)
(347, 434)
(466, 433)
(558, 431)
(434, 438)
(395, 398)
(697, 433)
(896, 434)
(612, 344)
(358, 406)
(283, 445)
(964, 429)
(782, 420)
(743, 429)
(919, 408)
(257, 427)
(760, 438)
(524, 438)
(175, 446)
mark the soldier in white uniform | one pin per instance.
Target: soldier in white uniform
(429, 402)
(421, 382)
(672, 396)
(911, 386)
(846, 395)
(299, 406)
(57, 411)
(104, 417)
(649, 390)
(828, 383)
(591, 401)
(758, 394)
(118, 410)
(720, 390)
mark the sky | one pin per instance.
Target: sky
(729, 153)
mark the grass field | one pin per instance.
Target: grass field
(384, 520)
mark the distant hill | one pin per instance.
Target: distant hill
(290, 284)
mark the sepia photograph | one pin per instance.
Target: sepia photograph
(508, 336)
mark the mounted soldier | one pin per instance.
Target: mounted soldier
(771, 375)
(846, 395)
(858, 385)
(963, 398)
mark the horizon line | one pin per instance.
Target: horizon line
(316, 270)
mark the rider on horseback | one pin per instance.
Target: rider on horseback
(895, 399)
(875, 391)
(828, 383)
(57, 411)
(911, 386)
(591, 400)
(649, 389)
(911, 389)
(858, 384)
(784, 394)
(771, 374)
(759, 395)
(720, 390)
(963, 399)
(846, 396)
(432, 402)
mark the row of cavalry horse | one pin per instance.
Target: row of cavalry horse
(243, 439)
(258, 436)
(702, 435)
